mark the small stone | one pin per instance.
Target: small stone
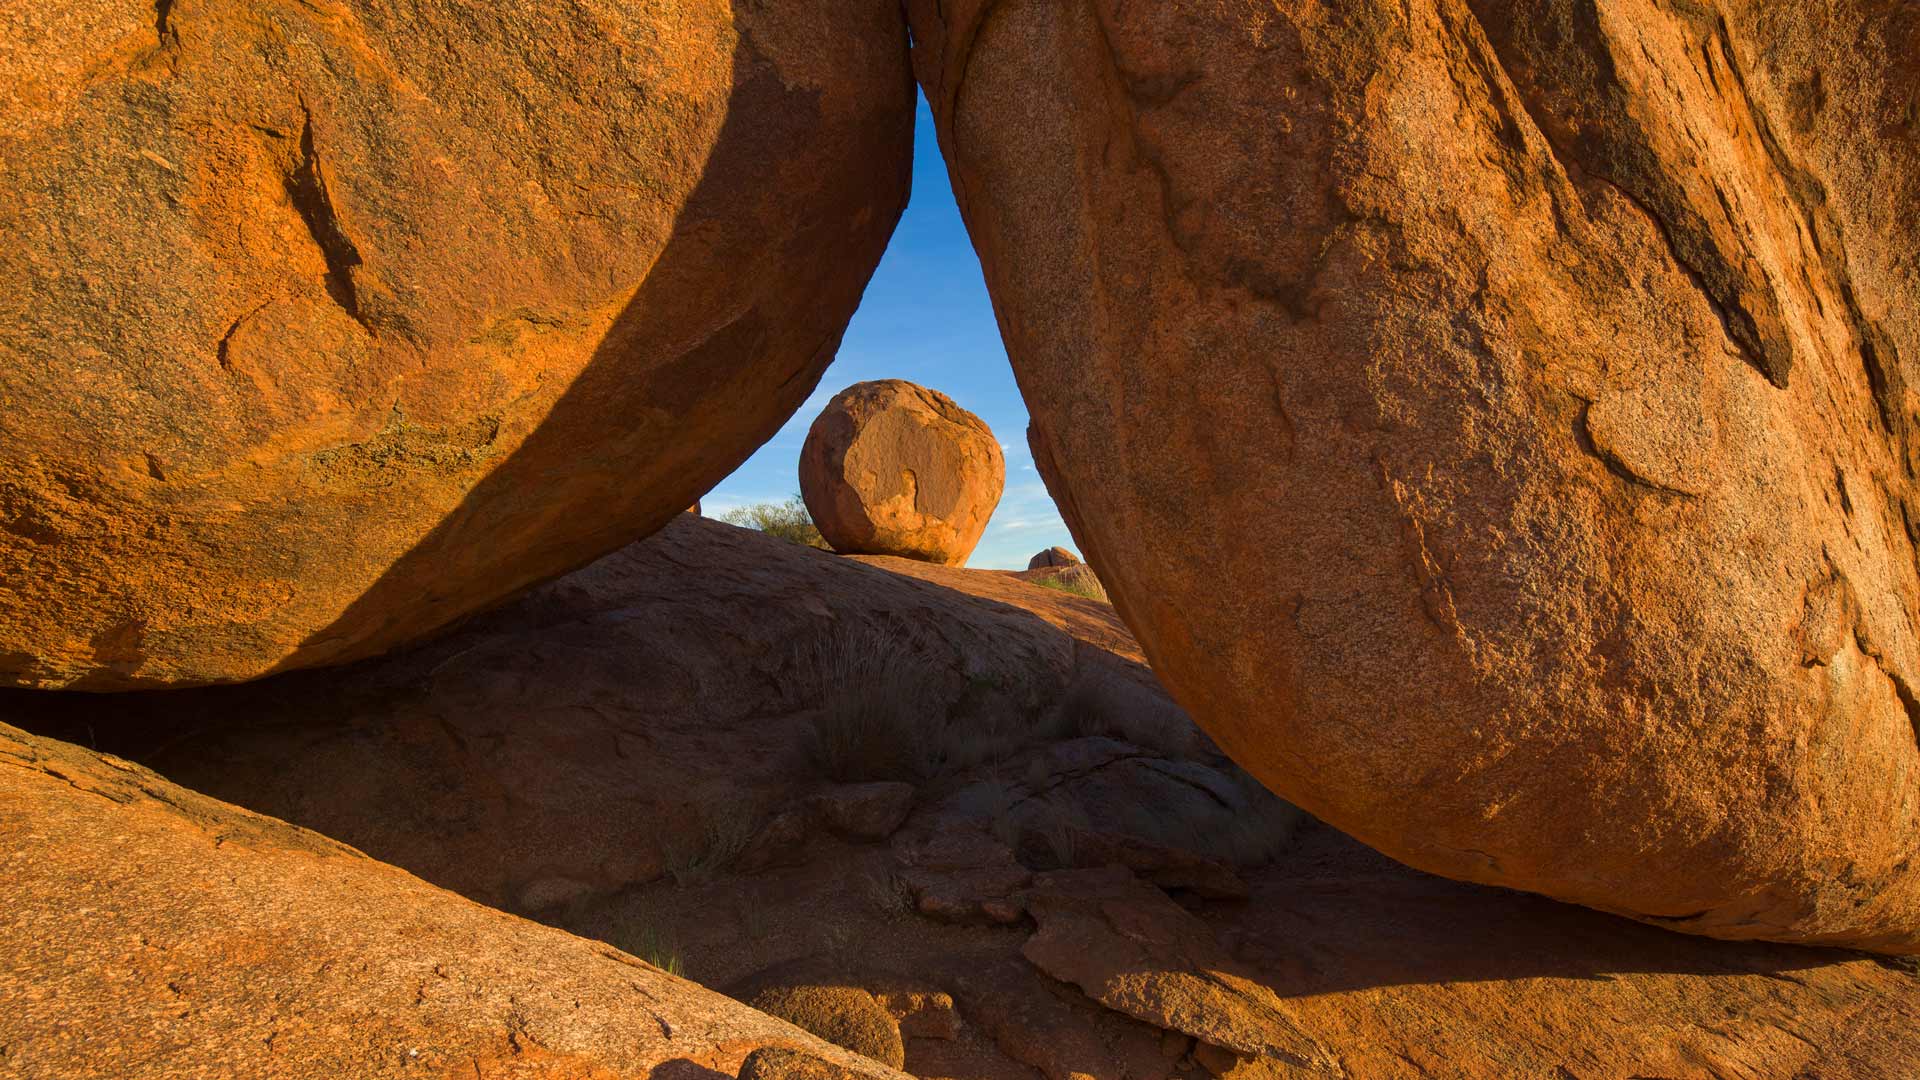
(961, 874)
(864, 811)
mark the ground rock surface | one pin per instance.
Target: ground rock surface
(151, 931)
(1395, 973)
(1135, 951)
(890, 468)
(324, 324)
(618, 724)
(1495, 420)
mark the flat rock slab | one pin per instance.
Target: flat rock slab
(1132, 949)
(151, 931)
(958, 873)
(1408, 976)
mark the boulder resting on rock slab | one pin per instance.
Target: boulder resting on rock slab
(325, 325)
(890, 468)
(152, 931)
(1496, 420)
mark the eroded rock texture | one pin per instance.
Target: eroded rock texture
(323, 324)
(1494, 419)
(578, 741)
(890, 468)
(151, 931)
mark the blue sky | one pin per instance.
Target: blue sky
(926, 318)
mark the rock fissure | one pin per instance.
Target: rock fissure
(307, 187)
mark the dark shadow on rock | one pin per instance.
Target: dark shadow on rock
(1335, 915)
(684, 1069)
(551, 747)
(560, 731)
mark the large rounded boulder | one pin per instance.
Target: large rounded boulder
(1052, 557)
(323, 325)
(1495, 419)
(890, 468)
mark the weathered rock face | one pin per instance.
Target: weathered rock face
(1135, 951)
(322, 325)
(150, 931)
(890, 468)
(559, 740)
(575, 742)
(1494, 419)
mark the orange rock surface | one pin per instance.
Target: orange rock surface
(537, 744)
(151, 931)
(1493, 419)
(324, 324)
(890, 468)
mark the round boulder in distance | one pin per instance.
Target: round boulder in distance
(1053, 556)
(890, 468)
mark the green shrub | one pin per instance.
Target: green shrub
(1077, 580)
(788, 520)
(640, 936)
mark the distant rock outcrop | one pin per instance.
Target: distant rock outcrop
(325, 325)
(1497, 420)
(890, 468)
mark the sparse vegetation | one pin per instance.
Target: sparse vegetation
(1121, 710)
(885, 715)
(751, 908)
(788, 520)
(642, 937)
(1079, 584)
(1058, 829)
(874, 710)
(1257, 837)
(725, 831)
(888, 895)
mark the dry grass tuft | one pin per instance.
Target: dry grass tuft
(639, 935)
(1132, 714)
(725, 831)
(874, 710)
(885, 714)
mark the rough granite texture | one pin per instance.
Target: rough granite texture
(325, 323)
(152, 932)
(1493, 419)
(565, 743)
